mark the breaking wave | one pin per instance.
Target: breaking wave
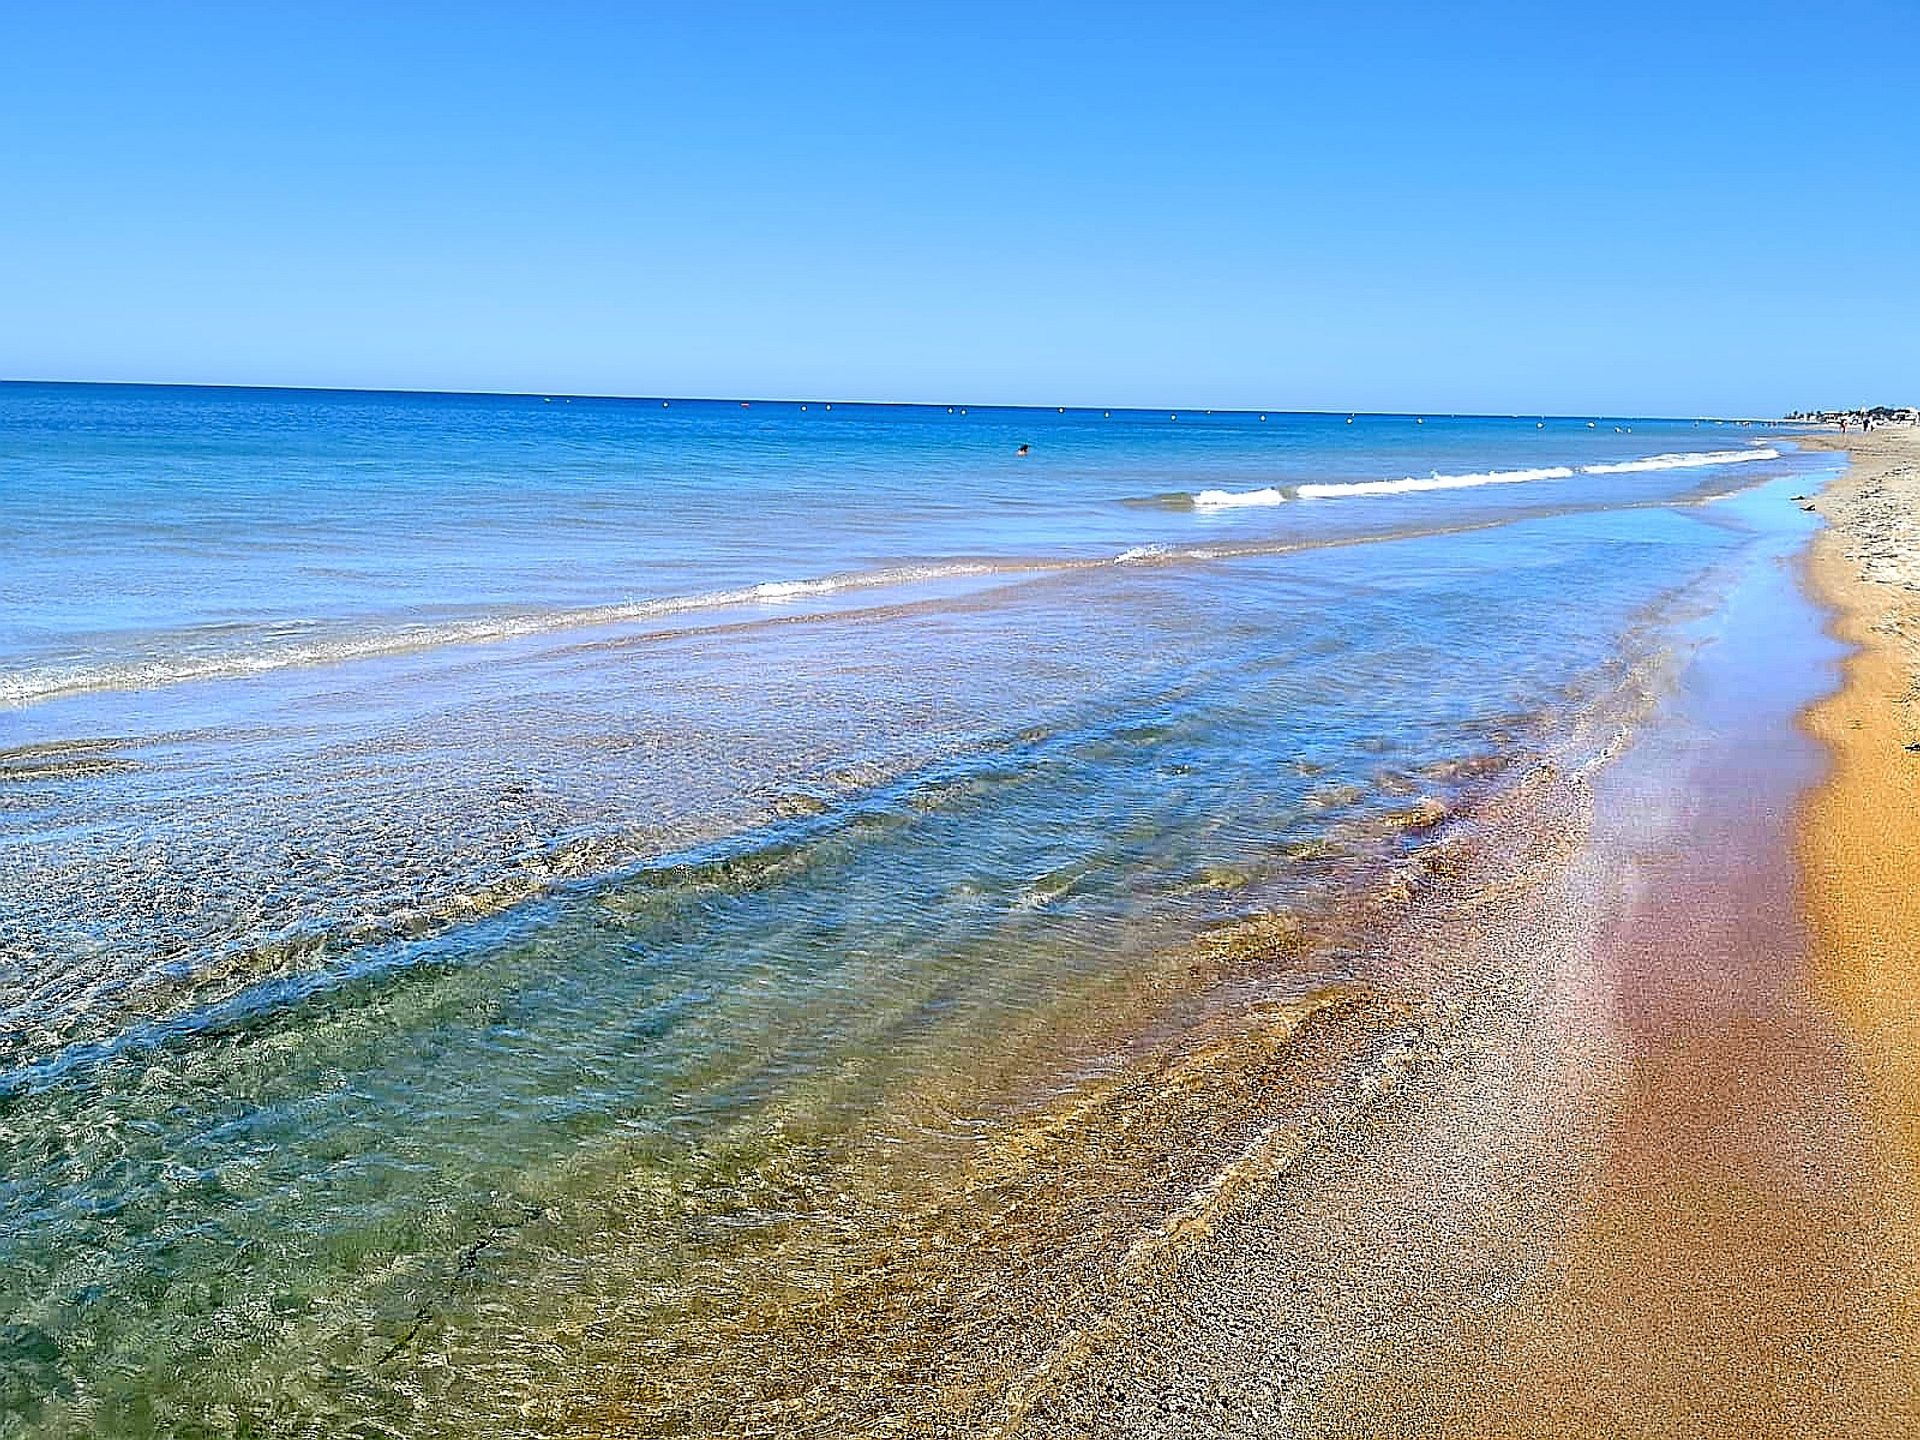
(1681, 462)
(283, 645)
(230, 661)
(1230, 499)
(1415, 484)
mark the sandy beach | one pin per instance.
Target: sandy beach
(901, 723)
(1614, 1135)
(1339, 985)
(1745, 1263)
(1862, 827)
(1662, 1182)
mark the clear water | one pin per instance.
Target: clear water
(462, 859)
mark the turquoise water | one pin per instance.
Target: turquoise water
(466, 859)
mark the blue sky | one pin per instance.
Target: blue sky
(1675, 208)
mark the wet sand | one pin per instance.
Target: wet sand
(1613, 1131)
(1742, 1265)
(1657, 1178)
(1860, 845)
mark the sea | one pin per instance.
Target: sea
(518, 914)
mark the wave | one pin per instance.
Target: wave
(276, 651)
(1414, 484)
(1681, 462)
(1230, 499)
(30, 686)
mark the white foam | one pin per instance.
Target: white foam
(1686, 461)
(29, 686)
(1413, 484)
(1234, 499)
(1416, 484)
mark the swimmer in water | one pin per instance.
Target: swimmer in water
(1023, 450)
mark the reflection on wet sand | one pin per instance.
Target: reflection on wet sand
(1862, 829)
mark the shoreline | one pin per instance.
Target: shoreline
(1647, 1194)
(1617, 1171)
(1403, 1123)
(1281, 1054)
(1743, 1265)
(1860, 828)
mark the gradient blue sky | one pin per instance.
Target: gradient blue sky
(1675, 208)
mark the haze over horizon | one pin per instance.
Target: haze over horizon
(1328, 209)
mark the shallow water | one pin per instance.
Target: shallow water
(1735, 1255)
(450, 908)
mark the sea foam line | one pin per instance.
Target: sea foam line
(1232, 499)
(1681, 462)
(1414, 484)
(41, 684)
(31, 686)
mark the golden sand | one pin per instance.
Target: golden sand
(1860, 840)
(1744, 1263)
(1714, 1238)
(1748, 1265)
(1737, 1258)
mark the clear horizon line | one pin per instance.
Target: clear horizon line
(749, 400)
